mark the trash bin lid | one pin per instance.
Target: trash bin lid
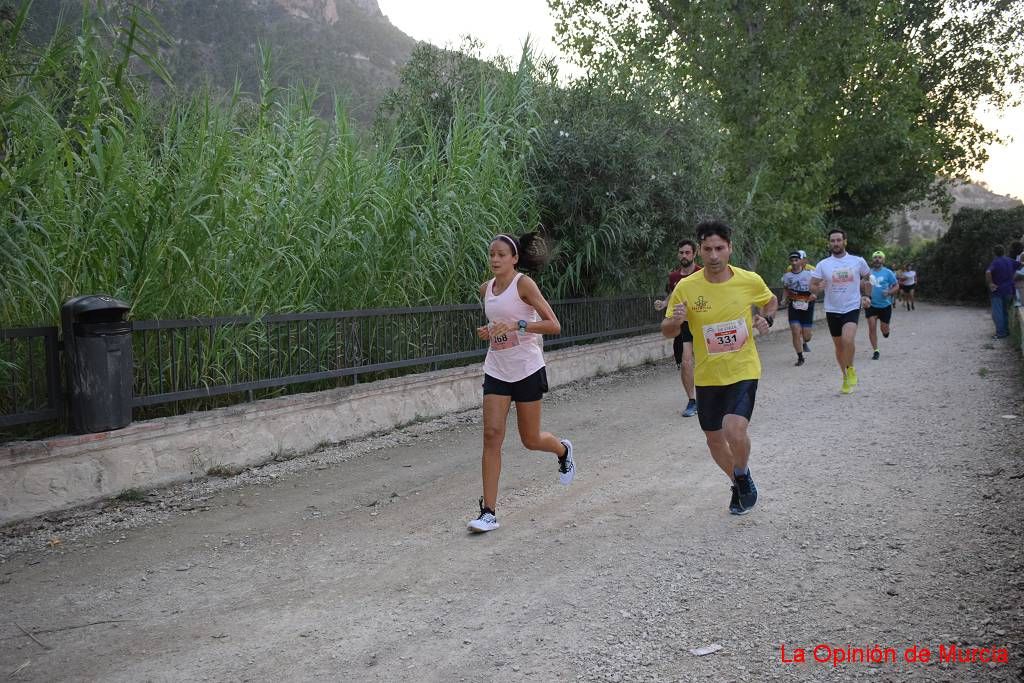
(95, 302)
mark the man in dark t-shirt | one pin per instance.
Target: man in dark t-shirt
(999, 278)
(682, 345)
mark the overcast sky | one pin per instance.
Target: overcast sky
(503, 25)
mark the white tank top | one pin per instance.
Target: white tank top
(515, 355)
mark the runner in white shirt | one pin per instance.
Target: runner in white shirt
(844, 279)
(908, 283)
(514, 370)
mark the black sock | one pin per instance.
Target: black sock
(799, 356)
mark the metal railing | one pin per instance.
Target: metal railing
(179, 360)
(183, 360)
(30, 388)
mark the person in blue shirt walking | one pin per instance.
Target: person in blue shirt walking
(884, 285)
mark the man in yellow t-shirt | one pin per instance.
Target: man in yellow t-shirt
(716, 302)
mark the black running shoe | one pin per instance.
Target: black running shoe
(874, 356)
(799, 361)
(807, 347)
(734, 503)
(747, 491)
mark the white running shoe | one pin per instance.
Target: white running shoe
(566, 467)
(485, 522)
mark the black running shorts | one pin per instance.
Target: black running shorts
(714, 403)
(528, 389)
(883, 314)
(801, 318)
(684, 337)
(837, 320)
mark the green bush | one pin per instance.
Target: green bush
(953, 267)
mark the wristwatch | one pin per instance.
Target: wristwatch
(770, 319)
(522, 325)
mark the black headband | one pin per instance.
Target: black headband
(511, 242)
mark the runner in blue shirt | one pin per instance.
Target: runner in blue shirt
(884, 285)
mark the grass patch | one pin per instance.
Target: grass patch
(225, 471)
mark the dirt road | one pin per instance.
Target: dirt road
(892, 517)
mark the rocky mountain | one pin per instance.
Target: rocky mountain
(928, 222)
(344, 46)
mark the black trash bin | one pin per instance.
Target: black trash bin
(98, 349)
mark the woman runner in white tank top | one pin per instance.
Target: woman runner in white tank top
(517, 315)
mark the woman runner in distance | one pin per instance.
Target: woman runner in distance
(517, 316)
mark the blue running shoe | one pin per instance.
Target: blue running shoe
(747, 491)
(691, 408)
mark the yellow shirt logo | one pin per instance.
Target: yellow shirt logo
(701, 305)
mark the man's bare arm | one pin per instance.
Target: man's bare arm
(671, 327)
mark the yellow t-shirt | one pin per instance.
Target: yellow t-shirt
(722, 325)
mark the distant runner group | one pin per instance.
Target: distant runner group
(711, 313)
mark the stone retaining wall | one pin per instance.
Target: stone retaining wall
(42, 476)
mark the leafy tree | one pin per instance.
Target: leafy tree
(435, 82)
(834, 111)
(619, 184)
(615, 183)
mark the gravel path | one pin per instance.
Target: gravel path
(892, 517)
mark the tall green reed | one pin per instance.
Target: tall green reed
(198, 205)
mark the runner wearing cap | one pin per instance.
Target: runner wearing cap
(797, 291)
(884, 284)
